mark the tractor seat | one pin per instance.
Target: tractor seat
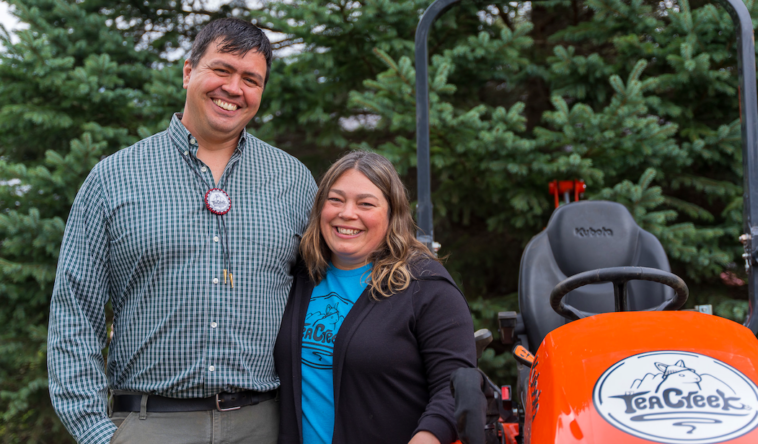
(584, 236)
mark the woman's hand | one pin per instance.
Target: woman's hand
(423, 437)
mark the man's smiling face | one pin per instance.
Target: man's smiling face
(223, 93)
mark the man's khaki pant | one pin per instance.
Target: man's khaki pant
(251, 424)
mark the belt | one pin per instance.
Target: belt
(221, 402)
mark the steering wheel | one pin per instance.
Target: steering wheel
(619, 276)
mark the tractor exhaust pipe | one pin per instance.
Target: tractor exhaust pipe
(425, 233)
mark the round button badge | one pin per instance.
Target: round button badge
(217, 201)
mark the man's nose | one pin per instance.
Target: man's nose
(232, 85)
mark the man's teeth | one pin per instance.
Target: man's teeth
(347, 231)
(226, 106)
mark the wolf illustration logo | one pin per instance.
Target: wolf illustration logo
(671, 375)
(320, 329)
(678, 376)
(330, 316)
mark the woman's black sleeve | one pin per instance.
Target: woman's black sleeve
(445, 334)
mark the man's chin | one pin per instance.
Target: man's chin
(222, 128)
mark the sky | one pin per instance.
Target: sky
(6, 18)
(11, 23)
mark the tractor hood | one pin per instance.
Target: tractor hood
(641, 377)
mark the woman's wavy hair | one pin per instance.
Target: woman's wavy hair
(391, 272)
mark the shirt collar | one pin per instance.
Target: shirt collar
(187, 144)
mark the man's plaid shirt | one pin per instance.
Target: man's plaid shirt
(140, 235)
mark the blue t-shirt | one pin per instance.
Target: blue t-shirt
(331, 300)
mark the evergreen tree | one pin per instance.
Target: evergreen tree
(66, 91)
(327, 48)
(602, 128)
(31, 239)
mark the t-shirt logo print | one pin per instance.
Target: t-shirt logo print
(320, 329)
(677, 397)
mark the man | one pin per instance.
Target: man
(191, 234)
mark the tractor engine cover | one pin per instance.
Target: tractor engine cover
(641, 377)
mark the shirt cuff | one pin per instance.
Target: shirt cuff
(439, 427)
(100, 433)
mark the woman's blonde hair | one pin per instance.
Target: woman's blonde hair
(391, 271)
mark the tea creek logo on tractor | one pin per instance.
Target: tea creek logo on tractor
(593, 232)
(677, 397)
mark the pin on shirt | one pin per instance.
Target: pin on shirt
(218, 202)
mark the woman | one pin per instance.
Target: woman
(374, 325)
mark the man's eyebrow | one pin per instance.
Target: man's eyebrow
(232, 68)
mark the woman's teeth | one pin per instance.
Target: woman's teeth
(226, 106)
(347, 231)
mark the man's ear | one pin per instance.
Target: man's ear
(186, 71)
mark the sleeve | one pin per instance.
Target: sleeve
(307, 186)
(445, 333)
(77, 331)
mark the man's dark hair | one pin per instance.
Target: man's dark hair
(233, 36)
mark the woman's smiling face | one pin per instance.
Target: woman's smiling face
(354, 220)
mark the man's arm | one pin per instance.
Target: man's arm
(310, 194)
(77, 331)
(306, 188)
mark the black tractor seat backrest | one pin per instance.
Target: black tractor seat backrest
(579, 237)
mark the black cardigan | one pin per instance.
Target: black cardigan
(392, 361)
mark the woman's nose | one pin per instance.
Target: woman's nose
(348, 211)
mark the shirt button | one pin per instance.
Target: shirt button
(215, 238)
(193, 140)
(186, 153)
(212, 368)
(203, 169)
(214, 325)
(215, 280)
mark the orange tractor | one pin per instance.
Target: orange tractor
(605, 355)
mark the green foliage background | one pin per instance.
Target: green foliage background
(637, 98)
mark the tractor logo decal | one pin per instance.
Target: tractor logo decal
(535, 376)
(677, 397)
(593, 232)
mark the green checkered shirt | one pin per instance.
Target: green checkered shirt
(140, 235)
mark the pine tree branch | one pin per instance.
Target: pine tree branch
(505, 18)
